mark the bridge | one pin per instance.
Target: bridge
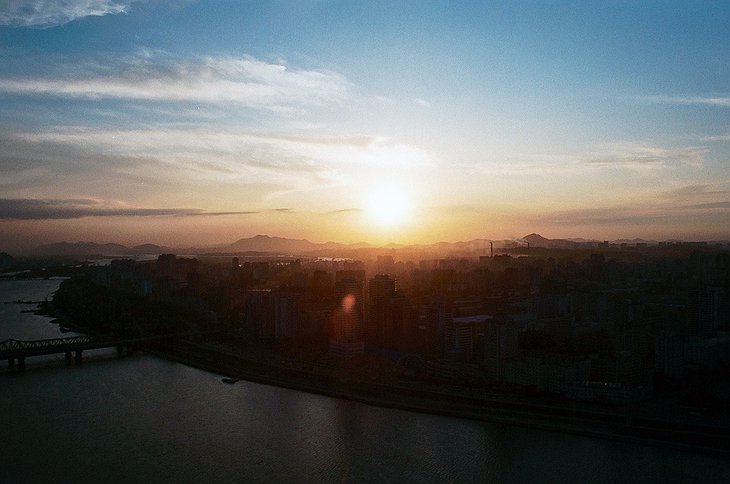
(14, 350)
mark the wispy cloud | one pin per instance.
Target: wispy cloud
(37, 209)
(50, 13)
(719, 101)
(243, 81)
(643, 155)
(347, 210)
(712, 205)
(620, 155)
(637, 215)
(225, 155)
(721, 137)
(701, 190)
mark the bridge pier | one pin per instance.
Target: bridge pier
(15, 351)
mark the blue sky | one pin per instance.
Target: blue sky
(204, 121)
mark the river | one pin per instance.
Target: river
(144, 419)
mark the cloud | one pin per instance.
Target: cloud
(699, 191)
(647, 155)
(722, 137)
(619, 155)
(711, 205)
(597, 216)
(242, 81)
(422, 102)
(50, 13)
(298, 162)
(719, 101)
(38, 209)
(640, 214)
(346, 210)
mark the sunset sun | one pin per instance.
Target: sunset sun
(388, 207)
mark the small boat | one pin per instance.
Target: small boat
(229, 380)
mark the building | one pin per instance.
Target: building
(346, 332)
(258, 314)
(287, 313)
(500, 343)
(381, 290)
(459, 339)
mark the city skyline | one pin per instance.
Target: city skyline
(205, 122)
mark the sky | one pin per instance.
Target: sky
(192, 123)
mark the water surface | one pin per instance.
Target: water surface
(143, 419)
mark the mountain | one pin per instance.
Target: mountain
(635, 241)
(280, 245)
(264, 243)
(259, 243)
(79, 249)
(150, 249)
(537, 240)
(88, 249)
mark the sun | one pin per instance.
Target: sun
(388, 207)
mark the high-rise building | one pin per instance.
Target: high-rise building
(287, 313)
(346, 336)
(500, 343)
(439, 313)
(459, 339)
(381, 289)
(392, 321)
(349, 294)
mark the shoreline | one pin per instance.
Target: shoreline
(695, 435)
(679, 436)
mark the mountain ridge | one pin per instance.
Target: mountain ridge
(281, 245)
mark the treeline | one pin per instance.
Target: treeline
(99, 309)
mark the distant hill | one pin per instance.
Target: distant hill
(281, 245)
(88, 249)
(260, 244)
(635, 241)
(265, 243)
(79, 249)
(150, 249)
(537, 240)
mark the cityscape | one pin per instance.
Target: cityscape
(638, 331)
(338, 241)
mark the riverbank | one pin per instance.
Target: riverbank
(425, 398)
